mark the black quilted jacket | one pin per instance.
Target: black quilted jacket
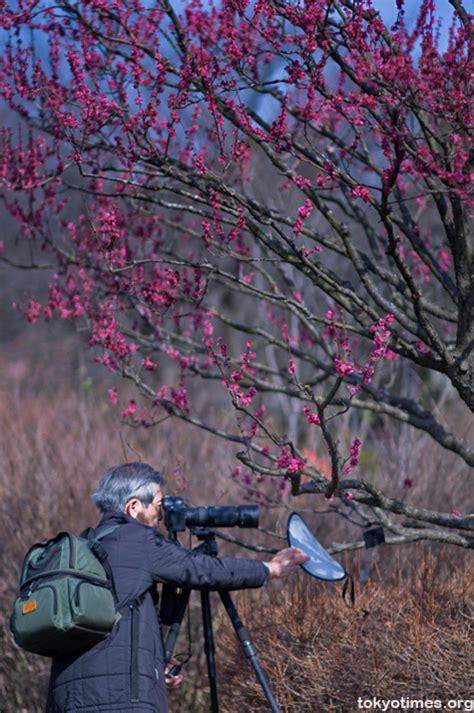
(125, 671)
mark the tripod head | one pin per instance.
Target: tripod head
(207, 537)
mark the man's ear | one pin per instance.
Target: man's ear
(132, 507)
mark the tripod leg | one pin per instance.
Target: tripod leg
(209, 649)
(249, 648)
(176, 601)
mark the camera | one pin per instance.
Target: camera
(178, 516)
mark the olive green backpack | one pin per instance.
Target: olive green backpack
(67, 600)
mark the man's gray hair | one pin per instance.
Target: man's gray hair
(130, 480)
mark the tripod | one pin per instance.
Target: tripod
(209, 546)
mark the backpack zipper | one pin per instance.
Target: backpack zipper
(67, 572)
(134, 697)
(72, 552)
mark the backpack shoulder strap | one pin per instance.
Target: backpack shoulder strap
(104, 533)
(99, 551)
(101, 554)
(90, 534)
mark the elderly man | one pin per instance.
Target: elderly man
(125, 671)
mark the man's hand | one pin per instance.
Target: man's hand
(286, 562)
(176, 680)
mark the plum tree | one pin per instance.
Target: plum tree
(272, 197)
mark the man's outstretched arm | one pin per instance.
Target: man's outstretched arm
(171, 564)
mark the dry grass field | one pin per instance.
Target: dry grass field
(406, 636)
(409, 634)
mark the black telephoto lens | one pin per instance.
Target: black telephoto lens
(226, 516)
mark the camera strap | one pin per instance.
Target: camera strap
(349, 589)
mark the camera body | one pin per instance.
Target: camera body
(178, 516)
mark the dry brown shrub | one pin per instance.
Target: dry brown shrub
(412, 637)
